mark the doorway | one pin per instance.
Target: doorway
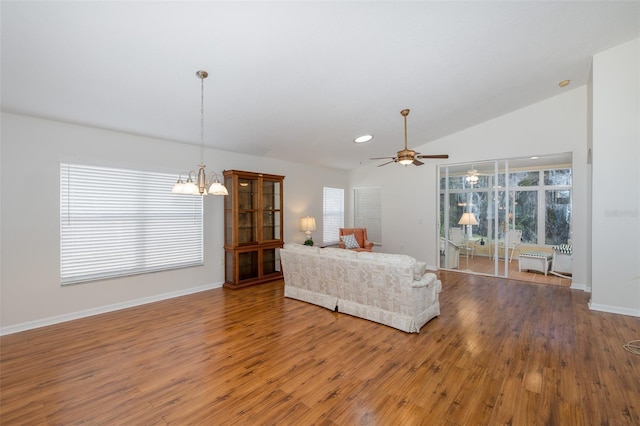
(491, 212)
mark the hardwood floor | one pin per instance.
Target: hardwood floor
(501, 352)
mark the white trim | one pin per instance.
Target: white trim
(614, 309)
(583, 287)
(16, 328)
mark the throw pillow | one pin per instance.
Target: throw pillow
(350, 241)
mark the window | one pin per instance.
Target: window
(539, 203)
(332, 214)
(117, 222)
(526, 214)
(368, 211)
(558, 217)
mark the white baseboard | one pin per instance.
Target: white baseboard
(614, 309)
(16, 328)
(583, 287)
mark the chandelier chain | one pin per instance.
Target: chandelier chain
(202, 119)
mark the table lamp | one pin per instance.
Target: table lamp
(308, 224)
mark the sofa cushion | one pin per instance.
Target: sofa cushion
(350, 241)
(396, 259)
(336, 252)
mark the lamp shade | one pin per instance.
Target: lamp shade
(217, 188)
(468, 219)
(308, 223)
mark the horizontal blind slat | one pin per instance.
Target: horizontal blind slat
(118, 222)
(333, 214)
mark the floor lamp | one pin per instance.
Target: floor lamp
(468, 219)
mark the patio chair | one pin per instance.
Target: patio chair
(514, 237)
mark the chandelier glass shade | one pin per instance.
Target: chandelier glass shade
(197, 183)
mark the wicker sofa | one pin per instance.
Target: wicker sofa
(390, 289)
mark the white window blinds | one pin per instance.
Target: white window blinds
(332, 214)
(368, 211)
(116, 222)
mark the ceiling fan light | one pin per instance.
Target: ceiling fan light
(406, 157)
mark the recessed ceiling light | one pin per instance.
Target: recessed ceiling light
(534, 158)
(363, 138)
(564, 83)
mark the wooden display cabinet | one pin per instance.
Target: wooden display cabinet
(252, 228)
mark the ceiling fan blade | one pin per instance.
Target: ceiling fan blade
(380, 158)
(417, 162)
(432, 156)
(388, 162)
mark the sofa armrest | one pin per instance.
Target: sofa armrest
(368, 244)
(341, 244)
(426, 280)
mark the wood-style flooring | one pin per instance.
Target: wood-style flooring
(501, 353)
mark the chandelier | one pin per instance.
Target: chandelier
(197, 182)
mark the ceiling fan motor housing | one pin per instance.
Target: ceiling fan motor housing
(406, 155)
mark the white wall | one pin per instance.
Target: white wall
(409, 216)
(31, 150)
(616, 180)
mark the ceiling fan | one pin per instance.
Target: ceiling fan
(472, 176)
(407, 156)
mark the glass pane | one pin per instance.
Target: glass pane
(269, 262)
(228, 262)
(457, 206)
(483, 182)
(246, 194)
(271, 195)
(558, 217)
(502, 215)
(228, 231)
(247, 227)
(456, 182)
(524, 178)
(247, 265)
(271, 225)
(557, 177)
(442, 214)
(479, 208)
(228, 200)
(526, 215)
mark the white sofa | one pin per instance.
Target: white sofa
(390, 289)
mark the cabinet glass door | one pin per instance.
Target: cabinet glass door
(270, 261)
(247, 210)
(247, 265)
(271, 210)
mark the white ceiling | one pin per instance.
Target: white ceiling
(298, 80)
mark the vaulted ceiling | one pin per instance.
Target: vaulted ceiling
(298, 80)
